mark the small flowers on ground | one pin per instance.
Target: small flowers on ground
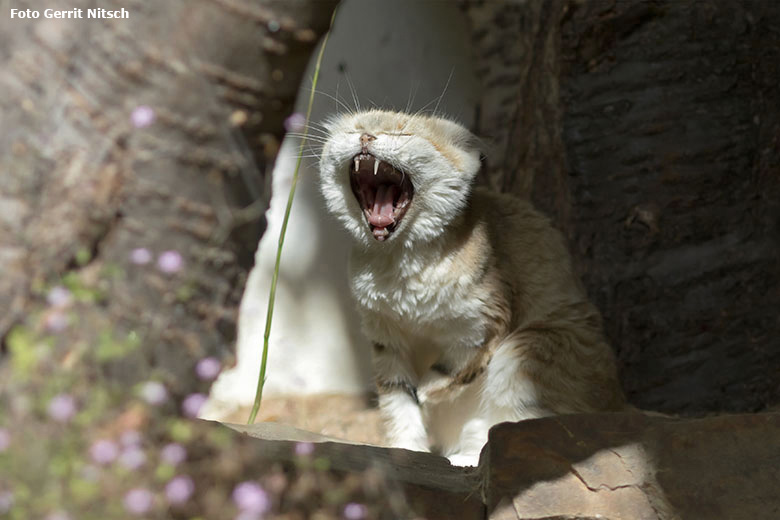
(138, 501)
(304, 448)
(140, 256)
(250, 497)
(62, 407)
(192, 404)
(179, 489)
(154, 392)
(142, 116)
(170, 262)
(173, 454)
(132, 457)
(59, 296)
(104, 451)
(353, 511)
(208, 368)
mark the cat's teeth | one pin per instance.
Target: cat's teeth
(357, 164)
(376, 166)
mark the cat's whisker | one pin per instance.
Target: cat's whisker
(353, 91)
(436, 108)
(412, 95)
(308, 137)
(335, 98)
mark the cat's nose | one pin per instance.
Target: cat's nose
(364, 140)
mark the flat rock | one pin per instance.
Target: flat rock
(618, 466)
(579, 467)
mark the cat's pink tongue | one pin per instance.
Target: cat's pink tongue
(382, 213)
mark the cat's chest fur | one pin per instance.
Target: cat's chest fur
(422, 301)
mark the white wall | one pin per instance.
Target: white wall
(396, 54)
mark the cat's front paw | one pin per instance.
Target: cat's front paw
(465, 460)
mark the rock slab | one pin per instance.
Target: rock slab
(616, 466)
(580, 467)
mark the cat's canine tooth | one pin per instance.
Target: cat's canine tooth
(376, 166)
(357, 164)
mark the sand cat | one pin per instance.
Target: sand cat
(467, 295)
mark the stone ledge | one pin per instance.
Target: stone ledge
(633, 466)
(580, 467)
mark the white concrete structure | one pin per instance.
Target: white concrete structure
(391, 54)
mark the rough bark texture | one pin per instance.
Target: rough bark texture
(81, 186)
(649, 132)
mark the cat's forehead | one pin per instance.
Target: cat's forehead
(381, 121)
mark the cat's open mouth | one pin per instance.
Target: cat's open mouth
(383, 192)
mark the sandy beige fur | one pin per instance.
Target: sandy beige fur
(472, 305)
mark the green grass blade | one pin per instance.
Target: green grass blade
(275, 278)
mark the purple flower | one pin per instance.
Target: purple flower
(208, 368)
(138, 501)
(62, 407)
(140, 256)
(154, 392)
(59, 296)
(170, 262)
(173, 454)
(142, 116)
(304, 448)
(6, 501)
(192, 404)
(5, 439)
(295, 122)
(56, 321)
(130, 438)
(353, 511)
(179, 489)
(251, 497)
(103, 451)
(132, 457)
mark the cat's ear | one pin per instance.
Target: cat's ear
(486, 145)
(475, 144)
(459, 135)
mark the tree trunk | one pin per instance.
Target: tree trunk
(649, 132)
(154, 132)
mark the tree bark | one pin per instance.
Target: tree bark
(649, 132)
(86, 180)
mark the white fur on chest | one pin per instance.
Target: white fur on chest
(417, 301)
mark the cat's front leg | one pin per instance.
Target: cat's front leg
(398, 401)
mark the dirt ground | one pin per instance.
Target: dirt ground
(349, 417)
